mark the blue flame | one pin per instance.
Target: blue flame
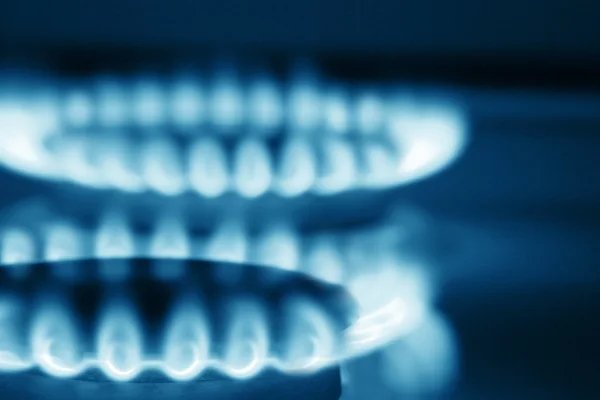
(265, 103)
(78, 109)
(208, 167)
(337, 112)
(252, 170)
(339, 165)
(370, 113)
(187, 342)
(120, 345)
(112, 103)
(114, 238)
(311, 340)
(437, 125)
(324, 260)
(13, 350)
(398, 307)
(117, 158)
(250, 137)
(149, 103)
(305, 103)
(229, 242)
(298, 168)
(188, 102)
(24, 132)
(17, 246)
(54, 343)
(227, 101)
(170, 239)
(247, 342)
(278, 247)
(162, 167)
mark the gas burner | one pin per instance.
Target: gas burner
(211, 324)
(230, 319)
(221, 132)
(381, 265)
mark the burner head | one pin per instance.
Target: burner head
(175, 319)
(230, 132)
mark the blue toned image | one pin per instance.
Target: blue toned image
(316, 200)
(214, 132)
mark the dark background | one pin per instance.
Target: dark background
(536, 42)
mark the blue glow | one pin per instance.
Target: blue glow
(370, 113)
(298, 168)
(13, 349)
(162, 168)
(398, 307)
(304, 104)
(337, 112)
(63, 242)
(324, 261)
(188, 103)
(117, 160)
(441, 137)
(77, 166)
(266, 109)
(24, 130)
(119, 346)
(247, 341)
(229, 242)
(113, 106)
(149, 104)
(208, 168)
(56, 346)
(54, 343)
(425, 361)
(278, 247)
(127, 135)
(114, 239)
(227, 101)
(45, 105)
(339, 166)
(170, 239)
(252, 170)
(17, 246)
(78, 109)
(311, 342)
(379, 165)
(187, 343)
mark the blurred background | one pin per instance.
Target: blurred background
(516, 218)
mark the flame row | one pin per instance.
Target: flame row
(207, 166)
(187, 347)
(392, 288)
(193, 103)
(330, 256)
(175, 136)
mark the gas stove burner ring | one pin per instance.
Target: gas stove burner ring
(251, 137)
(382, 265)
(237, 320)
